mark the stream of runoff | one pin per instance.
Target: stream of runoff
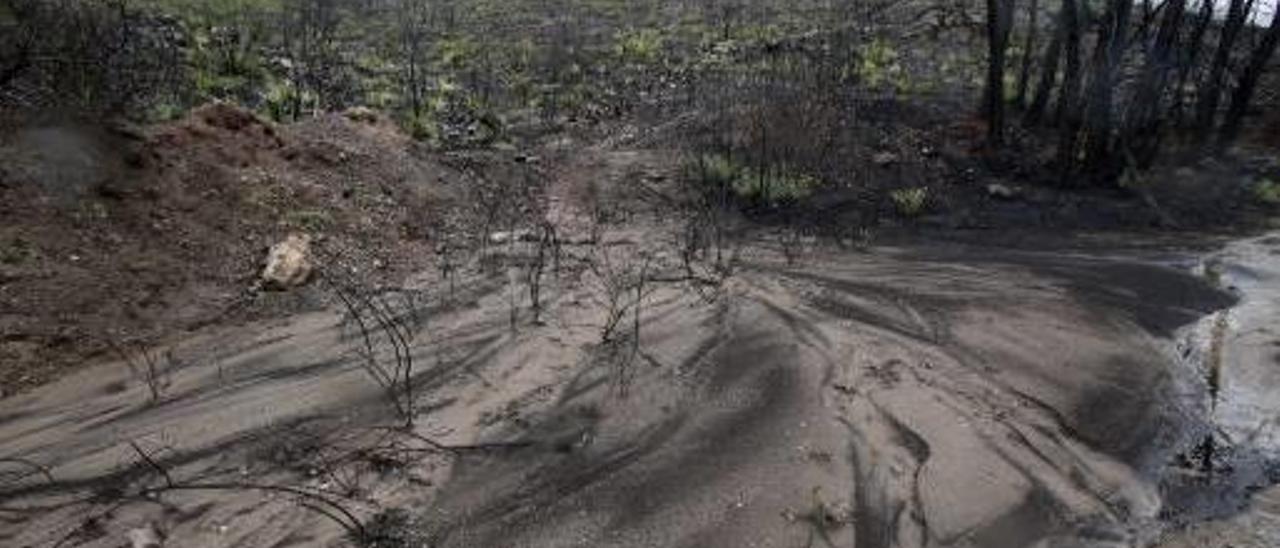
(1230, 490)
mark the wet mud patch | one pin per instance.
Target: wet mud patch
(1219, 486)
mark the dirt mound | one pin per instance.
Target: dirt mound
(138, 234)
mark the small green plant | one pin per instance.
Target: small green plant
(774, 188)
(770, 186)
(165, 111)
(16, 252)
(910, 202)
(456, 53)
(878, 66)
(639, 47)
(423, 128)
(716, 170)
(760, 34)
(283, 100)
(1267, 192)
(310, 220)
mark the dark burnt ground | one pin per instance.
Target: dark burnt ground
(905, 144)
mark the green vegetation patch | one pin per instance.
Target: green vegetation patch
(878, 66)
(16, 252)
(1267, 192)
(640, 47)
(910, 202)
(768, 186)
(310, 220)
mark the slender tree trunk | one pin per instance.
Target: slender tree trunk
(1028, 51)
(1069, 96)
(1144, 26)
(1073, 50)
(20, 63)
(1243, 93)
(414, 23)
(999, 23)
(1112, 42)
(1191, 55)
(1144, 123)
(1211, 90)
(1048, 75)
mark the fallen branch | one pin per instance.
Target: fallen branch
(310, 500)
(436, 446)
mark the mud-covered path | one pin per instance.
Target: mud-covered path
(918, 395)
(888, 401)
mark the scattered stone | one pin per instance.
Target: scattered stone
(997, 190)
(145, 537)
(361, 114)
(884, 159)
(505, 237)
(289, 263)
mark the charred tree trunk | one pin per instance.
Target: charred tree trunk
(415, 21)
(1149, 13)
(1028, 51)
(999, 24)
(1143, 139)
(1211, 90)
(14, 68)
(1248, 82)
(1069, 96)
(1048, 75)
(1191, 55)
(18, 43)
(1113, 36)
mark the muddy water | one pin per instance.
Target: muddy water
(1247, 406)
(1231, 491)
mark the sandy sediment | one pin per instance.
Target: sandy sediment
(909, 396)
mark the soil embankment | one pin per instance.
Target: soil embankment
(111, 238)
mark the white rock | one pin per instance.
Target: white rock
(522, 235)
(289, 263)
(145, 537)
(996, 190)
(885, 158)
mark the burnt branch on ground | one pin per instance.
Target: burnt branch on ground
(387, 322)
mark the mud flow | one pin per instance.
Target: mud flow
(913, 395)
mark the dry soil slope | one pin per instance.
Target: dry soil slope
(144, 233)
